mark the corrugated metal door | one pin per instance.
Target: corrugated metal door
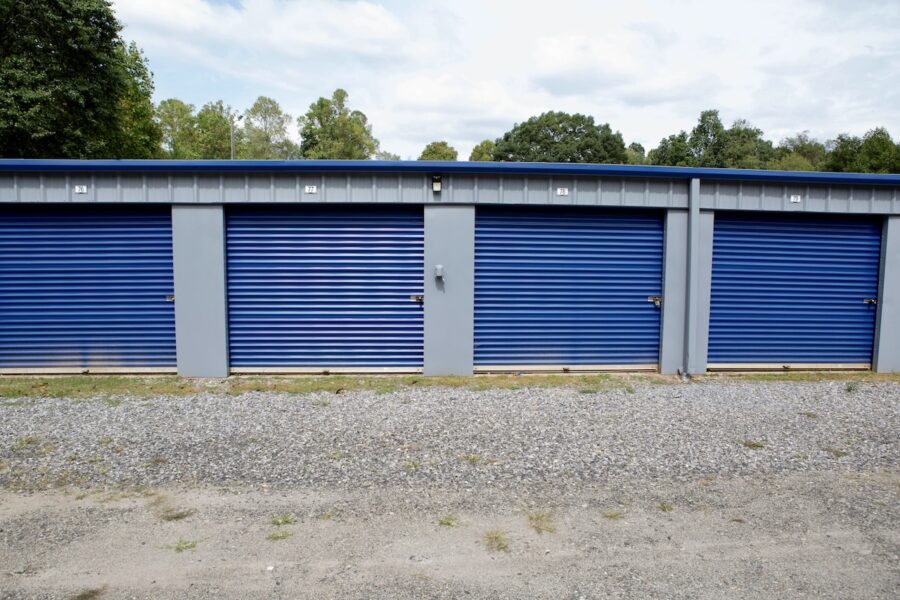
(793, 290)
(566, 288)
(85, 288)
(325, 288)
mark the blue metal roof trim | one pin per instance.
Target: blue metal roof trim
(449, 168)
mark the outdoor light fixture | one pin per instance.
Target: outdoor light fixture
(436, 184)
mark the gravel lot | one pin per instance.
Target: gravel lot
(712, 489)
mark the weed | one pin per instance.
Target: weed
(496, 540)
(338, 455)
(89, 594)
(27, 441)
(665, 507)
(411, 465)
(286, 519)
(613, 515)
(738, 520)
(172, 514)
(182, 545)
(157, 461)
(542, 522)
(112, 402)
(852, 386)
(472, 459)
(836, 452)
(280, 534)
(752, 445)
(801, 456)
(809, 414)
(321, 402)
(588, 391)
(328, 515)
(449, 521)
(105, 440)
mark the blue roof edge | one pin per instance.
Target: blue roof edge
(436, 167)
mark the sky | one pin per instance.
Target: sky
(468, 70)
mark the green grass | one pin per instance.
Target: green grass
(281, 534)
(496, 540)
(449, 521)
(836, 452)
(613, 515)
(411, 465)
(285, 519)
(752, 444)
(28, 441)
(183, 545)
(472, 459)
(542, 522)
(807, 376)
(665, 507)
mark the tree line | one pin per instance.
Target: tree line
(71, 87)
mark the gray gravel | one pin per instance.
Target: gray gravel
(433, 437)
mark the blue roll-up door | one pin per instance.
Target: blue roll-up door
(567, 287)
(793, 290)
(86, 288)
(318, 287)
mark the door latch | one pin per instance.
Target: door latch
(417, 298)
(872, 301)
(656, 300)
(170, 298)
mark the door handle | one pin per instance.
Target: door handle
(417, 298)
(656, 300)
(872, 301)
(170, 298)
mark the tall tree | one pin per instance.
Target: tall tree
(138, 134)
(439, 151)
(330, 129)
(799, 153)
(707, 140)
(483, 151)
(214, 123)
(179, 129)
(878, 153)
(561, 137)
(843, 154)
(635, 154)
(673, 151)
(62, 79)
(385, 155)
(264, 135)
(745, 148)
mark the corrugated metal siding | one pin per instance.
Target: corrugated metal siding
(85, 287)
(325, 287)
(790, 289)
(567, 287)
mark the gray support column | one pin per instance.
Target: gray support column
(671, 345)
(887, 328)
(450, 299)
(699, 283)
(201, 317)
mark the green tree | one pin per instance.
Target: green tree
(843, 154)
(439, 151)
(673, 151)
(264, 135)
(707, 140)
(483, 151)
(138, 134)
(62, 80)
(330, 129)
(179, 129)
(799, 153)
(561, 137)
(635, 153)
(745, 148)
(214, 131)
(878, 153)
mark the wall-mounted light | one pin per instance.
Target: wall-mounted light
(436, 184)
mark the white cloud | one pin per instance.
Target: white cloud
(468, 70)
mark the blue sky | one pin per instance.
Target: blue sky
(468, 70)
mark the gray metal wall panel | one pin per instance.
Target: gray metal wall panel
(201, 318)
(716, 195)
(449, 302)
(671, 347)
(353, 188)
(698, 283)
(887, 328)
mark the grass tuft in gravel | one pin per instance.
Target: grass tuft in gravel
(183, 545)
(752, 444)
(851, 386)
(26, 442)
(836, 452)
(808, 414)
(281, 534)
(665, 507)
(411, 465)
(542, 522)
(496, 540)
(449, 521)
(286, 519)
(89, 594)
(613, 515)
(472, 459)
(171, 514)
